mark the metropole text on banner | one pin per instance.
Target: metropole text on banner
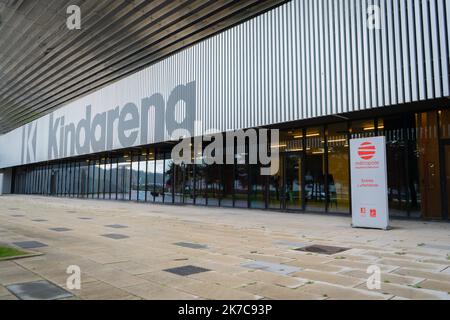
(369, 183)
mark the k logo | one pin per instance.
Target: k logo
(29, 133)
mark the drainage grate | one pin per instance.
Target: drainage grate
(115, 236)
(39, 220)
(191, 245)
(38, 290)
(85, 218)
(17, 215)
(270, 267)
(60, 229)
(30, 244)
(116, 226)
(186, 270)
(317, 248)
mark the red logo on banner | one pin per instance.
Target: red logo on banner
(366, 150)
(362, 212)
(373, 213)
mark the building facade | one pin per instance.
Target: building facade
(322, 72)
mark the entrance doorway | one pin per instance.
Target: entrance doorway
(445, 177)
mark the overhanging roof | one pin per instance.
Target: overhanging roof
(44, 65)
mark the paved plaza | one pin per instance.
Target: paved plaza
(129, 250)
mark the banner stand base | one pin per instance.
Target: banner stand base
(361, 227)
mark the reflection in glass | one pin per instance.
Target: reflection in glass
(123, 173)
(293, 188)
(135, 167)
(159, 178)
(338, 168)
(114, 178)
(395, 156)
(150, 181)
(257, 193)
(213, 177)
(315, 170)
(169, 176)
(201, 185)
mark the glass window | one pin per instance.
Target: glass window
(135, 167)
(83, 178)
(338, 168)
(228, 185)
(257, 192)
(363, 128)
(444, 123)
(169, 179)
(178, 173)
(101, 178)
(241, 181)
(201, 185)
(142, 175)
(213, 180)
(150, 181)
(293, 187)
(159, 178)
(188, 189)
(315, 170)
(412, 169)
(114, 177)
(396, 164)
(123, 173)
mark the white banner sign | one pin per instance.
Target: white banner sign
(369, 183)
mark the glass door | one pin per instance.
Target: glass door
(293, 178)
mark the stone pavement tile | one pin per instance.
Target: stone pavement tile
(360, 265)
(276, 292)
(17, 275)
(271, 278)
(408, 292)
(223, 258)
(154, 291)
(266, 258)
(328, 278)
(385, 277)
(217, 292)
(3, 291)
(311, 258)
(117, 278)
(325, 267)
(331, 291)
(444, 261)
(423, 253)
(105, 258)
(411, 264)
(219, 267)
(8, 297)
(99, 290)
(399, 254)
(167, 279)
(231, 281)
(271, 267)
(131, 267)
(8, 264)
(438, 276)
(435, 285)
(398, 298)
